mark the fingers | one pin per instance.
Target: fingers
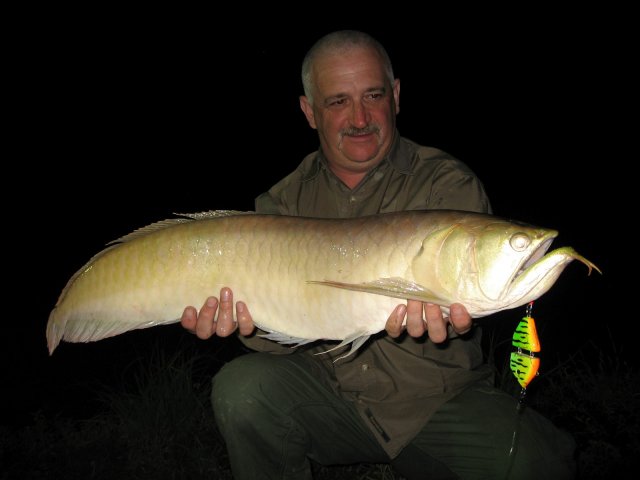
(436, 323)
(433, 322)
(395, 322)
(245, 321)
(189, 318)
(416, 326)
(205, 324)
(200, 323)
(460, 319)
(225, 324)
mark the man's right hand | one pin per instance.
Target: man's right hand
(205, 324)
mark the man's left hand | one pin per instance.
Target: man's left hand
(427, 317)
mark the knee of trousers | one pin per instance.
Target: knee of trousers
(248, 389)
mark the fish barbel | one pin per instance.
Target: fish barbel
(306, 279)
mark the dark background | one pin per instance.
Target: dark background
(122, 120)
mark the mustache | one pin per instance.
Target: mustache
(354, 131)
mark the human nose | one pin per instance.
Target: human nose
(359, 115)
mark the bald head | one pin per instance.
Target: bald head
(337, 43)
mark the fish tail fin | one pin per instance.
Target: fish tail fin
(55, 330)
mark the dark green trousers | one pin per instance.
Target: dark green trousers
(276, 412)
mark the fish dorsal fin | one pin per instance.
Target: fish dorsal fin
(154, 227)
(170, 222)
(213, 214)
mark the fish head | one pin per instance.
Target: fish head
(489, 264)
(502, 252)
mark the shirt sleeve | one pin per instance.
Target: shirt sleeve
(265, 203)
(450, 184)
(460, 192)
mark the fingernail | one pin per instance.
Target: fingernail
(224, 295)
(211, 302)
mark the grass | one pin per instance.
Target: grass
(158, 424)
(597, 398)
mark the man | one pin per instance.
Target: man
(421, 399)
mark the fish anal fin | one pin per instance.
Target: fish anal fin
(80, 331)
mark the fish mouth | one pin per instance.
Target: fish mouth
(531, 270)
(539, 272)
(536, 255)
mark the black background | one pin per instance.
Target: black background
(122, 119)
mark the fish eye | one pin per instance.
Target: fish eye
(519, 241)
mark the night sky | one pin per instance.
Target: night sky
(125, 124)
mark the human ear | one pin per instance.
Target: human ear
(396, 94)
(307, 109)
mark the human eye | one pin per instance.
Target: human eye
(375, 95)
(336, 102)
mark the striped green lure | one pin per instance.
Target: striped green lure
(524, 363)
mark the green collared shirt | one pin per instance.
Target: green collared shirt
(396, 384)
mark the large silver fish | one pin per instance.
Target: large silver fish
(306, 279)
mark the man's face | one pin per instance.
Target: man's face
(354, 109)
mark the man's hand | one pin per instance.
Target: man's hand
(427, 317)
(205, 324)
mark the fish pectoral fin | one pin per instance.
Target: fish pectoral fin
(389, 287)
(356, 340)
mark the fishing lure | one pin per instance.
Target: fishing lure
(524, 363)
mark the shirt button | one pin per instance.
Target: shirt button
(352, 198)
(364, 367)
